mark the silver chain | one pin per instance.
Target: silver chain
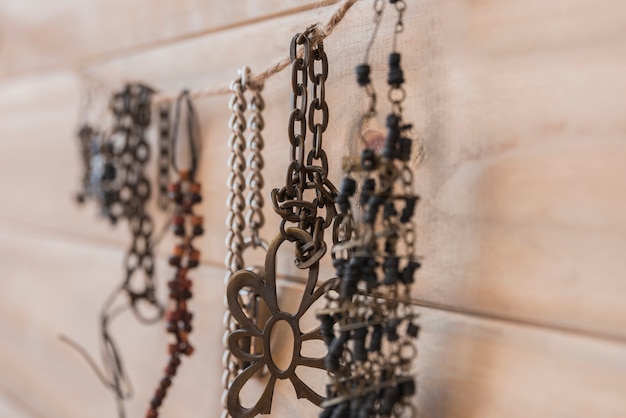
(238, 182)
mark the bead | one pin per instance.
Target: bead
(359, 336)
(405, 146)
(194, 254)
(160, 393)
(363, 74)
(184, 175)
(175, 361)
(412, 330)
(179, 230)
(409, 209)
(348, 186)
(172, 349)
(197, 230)
(188, 350)
(170, 371)
(368, 159)
(195, 198)
(376, 339)
(152, 414)
(368, 188)
(326, 328)
(391, 329)
(195, 188)
(396, 76)
(390, 267)
(174, 261)
(166, 382)
(389, 210)
(408, 273)
(173, 188)
(408, 388)
(197, 220)
(156, 402)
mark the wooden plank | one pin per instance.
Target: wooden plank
(466, 366)
(522, 186)
(39, 34)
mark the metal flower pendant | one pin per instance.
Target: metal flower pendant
(265, 288)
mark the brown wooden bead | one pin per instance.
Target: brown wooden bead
(172, 349)
(160, 393)
(178, 220)
(166, 382)
(152, 414)
(188, 350)
(197, 220)
(195, 188)
(184, 175)
(173, 187)
(175, 361)
(194, 255)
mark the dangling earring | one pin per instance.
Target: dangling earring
(369, 328)
(185, 193)
(303, 224)
(239, 223)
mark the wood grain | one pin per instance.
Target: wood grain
(467, 367)
(521, 186)
(36, 35)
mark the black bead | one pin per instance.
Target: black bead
(198, 230)
(174, 261)
(408, 273)
(412, 330)
(396, 76)
(391, 269)
(363, 74)
(368, 159)
(348, 186)
(409, 209)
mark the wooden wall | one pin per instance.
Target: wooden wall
(522, 226)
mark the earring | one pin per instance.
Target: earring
(369, 328)
(185, 193)
(303, 223)
(239, 223)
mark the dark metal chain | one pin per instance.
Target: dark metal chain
(163, 166)
(118, 182)
(307, 172)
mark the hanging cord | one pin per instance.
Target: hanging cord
(316, 33)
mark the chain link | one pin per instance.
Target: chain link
(252, 204)
(308, 168)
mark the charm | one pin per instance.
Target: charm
(239, 223)
(303, 223)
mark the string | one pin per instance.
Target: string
(316, 32)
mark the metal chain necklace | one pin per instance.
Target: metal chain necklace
(118, 183)
(369, 328)
(184, 194)
(236, 241)
(302, 224)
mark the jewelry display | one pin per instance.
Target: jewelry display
(303, 224)
(185, 193)
(245, 215)
(370, 327)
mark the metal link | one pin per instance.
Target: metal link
(252, 204)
